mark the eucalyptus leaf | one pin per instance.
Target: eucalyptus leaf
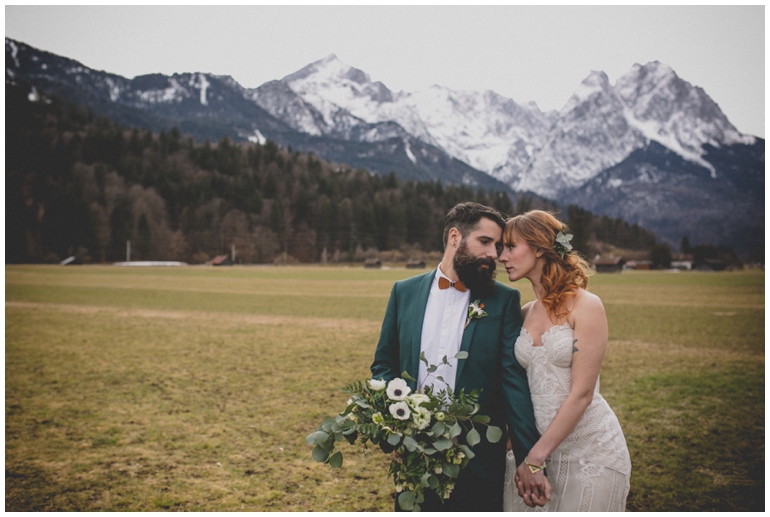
(432, 369)
(473, 437)
(320, 454)
(336, 460)
(443, 444)
(467, 451)
(444, 360)
(455, 430)
(317, 437)
(494, 434)
(484, 419)
(411, 444)
(327, 424)
(405, 375)
(423, 358)
(439, 377)
(451, 470)
(394, 439)
(461, 355)
(438, 429)
(425, 479)
(406, 500)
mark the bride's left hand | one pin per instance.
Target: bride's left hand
(534, 489)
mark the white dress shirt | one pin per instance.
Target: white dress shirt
(442, 333)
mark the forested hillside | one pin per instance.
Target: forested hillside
(83, 186)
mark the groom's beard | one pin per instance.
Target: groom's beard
(469, 268)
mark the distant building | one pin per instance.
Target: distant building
(373, 263)
(682, 261)
(609, 264)
(639, 264)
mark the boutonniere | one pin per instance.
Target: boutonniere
(475, 312)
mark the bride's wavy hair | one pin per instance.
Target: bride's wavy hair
(561, 277)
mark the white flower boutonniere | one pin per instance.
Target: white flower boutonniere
(475, 311)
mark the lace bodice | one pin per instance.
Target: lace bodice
(597, 435)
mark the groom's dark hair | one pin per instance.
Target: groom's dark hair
(466, 216)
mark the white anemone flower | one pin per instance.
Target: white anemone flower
(397, 389)
(400, 410)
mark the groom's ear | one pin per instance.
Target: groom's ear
(454, 238)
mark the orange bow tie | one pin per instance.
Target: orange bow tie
(445, 283)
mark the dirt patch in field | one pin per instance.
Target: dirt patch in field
(332, 323)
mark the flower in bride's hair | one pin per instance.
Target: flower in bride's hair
(400, 410)
(398, 390)
(377, 384)
(562, 245)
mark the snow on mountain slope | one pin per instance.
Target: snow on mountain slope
(601, 125)
(475, 127)
(590, 135)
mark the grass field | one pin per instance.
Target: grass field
(137, 389)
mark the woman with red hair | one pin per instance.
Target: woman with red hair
(562, 344)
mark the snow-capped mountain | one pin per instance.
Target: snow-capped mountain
(652, 148)
(602, 125)
(479, 128)
(209, 106)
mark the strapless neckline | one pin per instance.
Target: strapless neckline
(547, 334)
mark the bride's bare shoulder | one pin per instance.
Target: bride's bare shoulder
(587, 302)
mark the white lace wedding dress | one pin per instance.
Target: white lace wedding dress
(590, 471)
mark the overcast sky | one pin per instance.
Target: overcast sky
(526, 53)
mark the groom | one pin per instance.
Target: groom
(427, 313)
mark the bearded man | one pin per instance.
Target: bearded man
(429, 314)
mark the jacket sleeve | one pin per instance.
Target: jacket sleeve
(386, 357)
(521, 416)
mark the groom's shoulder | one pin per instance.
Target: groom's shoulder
(505, 291)
(414, 281)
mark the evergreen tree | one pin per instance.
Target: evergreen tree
(660, 254)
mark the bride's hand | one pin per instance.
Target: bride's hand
(534, 489)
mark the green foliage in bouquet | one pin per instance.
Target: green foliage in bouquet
(429, 434)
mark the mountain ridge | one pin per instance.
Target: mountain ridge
(481, 139)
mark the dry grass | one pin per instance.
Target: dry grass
(131, 389)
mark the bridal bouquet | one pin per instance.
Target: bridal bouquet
(431, 433)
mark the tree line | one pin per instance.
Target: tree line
(80, 185)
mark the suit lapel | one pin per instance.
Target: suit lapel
(419, 316)
(465, 346)
(467, 341)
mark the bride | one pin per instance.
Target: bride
(562, 345)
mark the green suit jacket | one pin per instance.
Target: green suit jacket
(490, 366)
